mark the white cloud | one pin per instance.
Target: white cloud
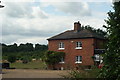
(58, 0)
(15, 9)
(23, 22)
(39, 13)
(23, 10)
(17, 0)
(40, 29)
(72, 8)
(33, 40)
(75, 0)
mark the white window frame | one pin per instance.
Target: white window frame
(78, 45)
(61, 46)
(78, 59)
(97, 57)
(62, 60)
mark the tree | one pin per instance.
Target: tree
(28, 47)
(111, 67)
(53, 57)
(98, 31)
(4, 47)
(26, 59)
(39, 47)
(12, 58)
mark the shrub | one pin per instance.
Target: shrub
(11, 58)
(53, 57)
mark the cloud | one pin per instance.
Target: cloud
(37, 12)
(17, 0)
(33, 27)
(76, 0)
(8, 39)
(24, 27)
(71, 8)
(23, 9)
(22, 39)
(15, 9)
(74, 8)
(25, 22)
(33, 40)
(37, 29)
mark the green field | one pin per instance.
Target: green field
(30, 65)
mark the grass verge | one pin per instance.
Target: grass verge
(30, 65)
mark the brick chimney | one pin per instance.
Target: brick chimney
(77, 26)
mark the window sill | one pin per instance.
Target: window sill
(96, 60)
(61, 48)
(61, 62)
(78, 48)
(78, 62)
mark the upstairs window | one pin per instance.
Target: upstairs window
(78, 59)
(61, 45)
(78, 45)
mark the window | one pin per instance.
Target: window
(97, 57)
(62, 60)
(78, 45)
(78, 59)
(61, 45)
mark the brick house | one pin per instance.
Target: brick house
(79, 46)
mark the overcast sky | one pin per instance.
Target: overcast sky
(34, 21)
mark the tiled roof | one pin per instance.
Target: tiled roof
(71, 34)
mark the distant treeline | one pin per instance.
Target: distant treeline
(28, 47)
(23, 51)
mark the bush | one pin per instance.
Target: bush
(26, 59)
(53, 57)
(75, 75)
(11, 58)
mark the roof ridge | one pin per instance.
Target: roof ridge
(58, 34)
(71, 34)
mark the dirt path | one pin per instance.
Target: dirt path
(30, 73)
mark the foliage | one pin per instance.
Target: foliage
(39, 47)
(75, 74)
(53, 57)
(25, 47)
(111, 67)
(26, 59)
(98, 31)
(28, 47)
(11, 58)
(81, 74)
(23, 50)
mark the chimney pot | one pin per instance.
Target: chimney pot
(77, 26)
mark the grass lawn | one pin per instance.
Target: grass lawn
(30, 65)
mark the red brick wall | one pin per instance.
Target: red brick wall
(86, 52)
(99, 43)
